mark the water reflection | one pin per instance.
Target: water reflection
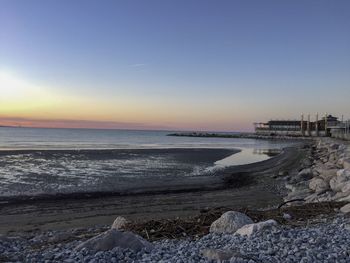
(247, 156)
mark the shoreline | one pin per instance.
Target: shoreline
(260, 190)
(111, 172)
(180, 225)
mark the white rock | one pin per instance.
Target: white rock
(114, 238)
(345, 209)
(250, 229)
(230, 222)
(317, 184)
(119, 223)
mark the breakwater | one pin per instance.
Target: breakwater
(236, 135)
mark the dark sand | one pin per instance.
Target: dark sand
(256, 188)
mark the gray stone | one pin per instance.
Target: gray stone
(317, 184)
(119, 223)
(346, 187)
(327, 174)
(345, 209)
(337, 182)
(330, 165)
(303, 175)
(250, 229)
(346, 163)
(230, 222)
(114, 238)
(339, 195)
(345, 198)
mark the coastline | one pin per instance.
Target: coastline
(182, 225)
(185, 198)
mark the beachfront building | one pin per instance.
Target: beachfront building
(302, 127)
(341, 131)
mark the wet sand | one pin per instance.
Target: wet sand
(44, 174)
(256, 188)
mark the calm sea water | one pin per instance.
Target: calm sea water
(29, 138)
(119, 159)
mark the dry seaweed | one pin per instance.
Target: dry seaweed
(197, 226)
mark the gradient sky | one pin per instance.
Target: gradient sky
(193, 65)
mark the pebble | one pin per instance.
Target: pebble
(323, 242)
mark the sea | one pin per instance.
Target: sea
(38, 161)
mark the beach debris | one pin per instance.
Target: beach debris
(250, 229)
(230, 222)
(114, 238)
(119, 223)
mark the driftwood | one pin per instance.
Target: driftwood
(290, 201)
(197, 226)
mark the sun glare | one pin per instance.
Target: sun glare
(11, 87)
(20, 96)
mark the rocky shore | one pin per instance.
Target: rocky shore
(324, 175)
(303, 229)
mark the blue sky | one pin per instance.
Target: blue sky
(215, 65)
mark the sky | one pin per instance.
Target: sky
(177, 65)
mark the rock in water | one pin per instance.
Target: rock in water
(119, 223)
(250, 229)
(114, 238)
(230, 222)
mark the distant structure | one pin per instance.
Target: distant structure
(326, 126)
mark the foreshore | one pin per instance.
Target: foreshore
(52, 231)
(247, 185)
